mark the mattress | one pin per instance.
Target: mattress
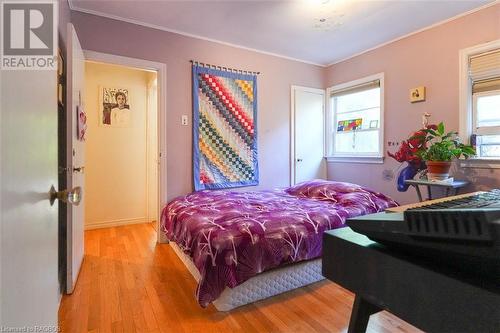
(264, 285)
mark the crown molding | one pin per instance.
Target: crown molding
(182, 33)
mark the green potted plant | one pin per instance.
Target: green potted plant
(440, 149)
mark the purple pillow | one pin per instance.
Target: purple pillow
(336, 192)
(318, 188)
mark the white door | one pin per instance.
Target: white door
(308, 105)
(75, 156)
(29, 286)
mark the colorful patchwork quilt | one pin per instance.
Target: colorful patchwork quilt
(224, 129)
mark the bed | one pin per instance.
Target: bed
(246, 246)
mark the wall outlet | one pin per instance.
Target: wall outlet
(184, 120)
(387, 175)
(417, 94)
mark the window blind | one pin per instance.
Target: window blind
(486, 85)
(355, 89)
(484, 71)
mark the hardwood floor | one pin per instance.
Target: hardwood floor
(128, 283)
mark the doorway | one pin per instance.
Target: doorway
(121, 162)
(307, 151)
(72, 164)
(161, 91)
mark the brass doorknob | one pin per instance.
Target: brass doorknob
(72, 197)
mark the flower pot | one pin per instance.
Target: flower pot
(438, 170)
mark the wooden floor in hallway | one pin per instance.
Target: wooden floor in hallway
(129, 283)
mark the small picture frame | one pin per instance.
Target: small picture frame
(373, 123)
(115, 111)
(81, 124)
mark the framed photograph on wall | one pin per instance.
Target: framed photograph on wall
(115, 110)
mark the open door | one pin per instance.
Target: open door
(29, 289)
(307, 141)
(75, 152)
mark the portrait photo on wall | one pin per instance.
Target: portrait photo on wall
(115, 110)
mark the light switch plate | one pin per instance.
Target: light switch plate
(184, 120)
(417, 94)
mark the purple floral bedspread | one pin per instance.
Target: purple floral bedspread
(233, 236)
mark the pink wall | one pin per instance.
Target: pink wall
(277, 75)
(430, 59)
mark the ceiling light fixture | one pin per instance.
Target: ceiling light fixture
(328, 24)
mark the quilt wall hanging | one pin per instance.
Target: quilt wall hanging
(224, 128)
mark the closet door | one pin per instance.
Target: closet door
(308, 123)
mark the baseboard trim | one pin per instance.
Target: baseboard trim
(115, 223)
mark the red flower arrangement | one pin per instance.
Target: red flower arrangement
(408, 150)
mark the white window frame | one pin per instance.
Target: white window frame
(331, 121)
(490, 130)
(466, 103)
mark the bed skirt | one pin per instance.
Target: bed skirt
(262, 286)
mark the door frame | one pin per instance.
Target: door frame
(293, 90)
(161, 70)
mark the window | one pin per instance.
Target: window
(355, 119)
(484, 76)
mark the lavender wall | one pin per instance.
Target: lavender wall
(277, 75)
(430, 59)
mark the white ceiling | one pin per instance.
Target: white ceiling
(316, 31)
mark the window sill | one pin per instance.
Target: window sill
(481, 163)
(355, 159)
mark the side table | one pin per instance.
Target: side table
(456, 185)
